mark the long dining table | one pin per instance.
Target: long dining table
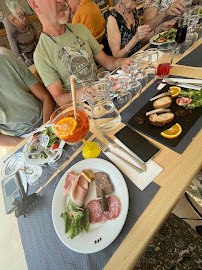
(178, 172)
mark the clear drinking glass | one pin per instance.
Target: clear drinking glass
(165, 54)
(140, 74)
(98, 96)
(150, 70)
(191, 34)
(104, 75)
(124, 97)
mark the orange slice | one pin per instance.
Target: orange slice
(175, 90)
(172, 132)
(64, 127)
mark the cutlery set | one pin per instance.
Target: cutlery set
(122, 154)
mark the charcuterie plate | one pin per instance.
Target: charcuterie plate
(99, 235)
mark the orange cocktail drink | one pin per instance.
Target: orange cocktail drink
(69, 128)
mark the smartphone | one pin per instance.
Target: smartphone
(137, 144)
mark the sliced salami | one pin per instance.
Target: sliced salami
(96, 214)
(114, 207)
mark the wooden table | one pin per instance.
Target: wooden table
(179, 170)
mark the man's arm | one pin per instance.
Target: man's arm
(110, 62)
(60, 97)
(7, 140)
(154, 19)
(39, 91)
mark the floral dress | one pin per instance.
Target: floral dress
(126, 34)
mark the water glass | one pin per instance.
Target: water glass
(165, 54)
(103, 76)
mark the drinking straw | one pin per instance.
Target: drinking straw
(72, 79)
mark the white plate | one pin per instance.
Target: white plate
(39, 161)
(155, 37)
(85, 242)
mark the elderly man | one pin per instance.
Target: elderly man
(25, 103)
(65, 49)
(157, 12)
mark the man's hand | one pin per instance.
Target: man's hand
(175, 9)
(142, 31)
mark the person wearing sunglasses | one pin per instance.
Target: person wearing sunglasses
(67, 49)
(22, 35)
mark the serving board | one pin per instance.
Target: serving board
(186, 122)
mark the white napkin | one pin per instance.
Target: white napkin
(121, 72)
(141, 180)
(161, 85)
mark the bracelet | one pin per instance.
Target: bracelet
(127, 50)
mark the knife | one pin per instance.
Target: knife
(110, 141)
(189, 86)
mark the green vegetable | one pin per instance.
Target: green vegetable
(104, 203)
(169, 35)
(76, 219)
(193, 94)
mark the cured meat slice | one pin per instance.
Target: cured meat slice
(70, 178)
(114, 207)
(96, 214)
(79, 190)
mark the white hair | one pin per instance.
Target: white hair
(13, 4)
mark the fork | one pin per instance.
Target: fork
(104, 148)
(169, 81)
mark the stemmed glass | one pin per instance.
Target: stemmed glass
(34, 174)
(191, 34)
(124, 96)
(140, 74)
(134, 85)
(150, 70)
(73, 127)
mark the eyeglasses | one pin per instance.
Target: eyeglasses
(22, 15)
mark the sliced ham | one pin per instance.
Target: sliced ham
(71, 176)
(79, 190)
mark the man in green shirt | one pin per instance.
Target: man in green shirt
(65, 49)
(25, 103)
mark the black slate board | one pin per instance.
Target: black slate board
(186, 122)
(193, 59)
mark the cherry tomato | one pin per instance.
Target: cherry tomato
(55, 146)
(161, 40)
(183, 101)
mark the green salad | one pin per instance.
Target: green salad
(53, 143)
(76, 219)
(167, 36)
(196, 97)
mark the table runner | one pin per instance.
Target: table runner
(44, 250)
(137, 104)
(193, 59)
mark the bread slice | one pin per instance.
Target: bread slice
(102, 181)
(161, 120)
(163, 102)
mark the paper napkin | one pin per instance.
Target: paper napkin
(180, 80)
(141, 180)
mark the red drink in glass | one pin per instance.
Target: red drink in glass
(163, 69)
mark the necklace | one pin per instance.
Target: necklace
(122, 11)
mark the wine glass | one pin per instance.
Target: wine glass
(55, 158)
(34, 174)
(140, 74)
(181, 32)
(150, 70)
(73, 127)
(134, 85)
(191, 34)
(104, 75)
(124, 97)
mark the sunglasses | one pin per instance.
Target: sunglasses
(22, 15)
